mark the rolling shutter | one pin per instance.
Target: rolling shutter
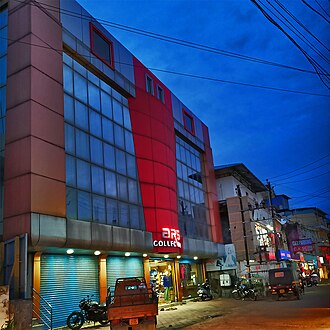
(123, 267)
(65, 280)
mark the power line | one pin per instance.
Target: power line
(315, 11)
(187, 74)
(313, 177)
(181, 42)
(299, 168)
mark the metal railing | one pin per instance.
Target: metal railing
(42, 310)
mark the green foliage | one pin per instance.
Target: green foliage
(9, 325)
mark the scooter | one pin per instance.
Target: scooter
(204, 292)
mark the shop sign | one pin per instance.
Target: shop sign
(301, 242)
(303, 248)
(170, 238)
(284, 255)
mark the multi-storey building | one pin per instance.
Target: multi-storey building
(105, 172)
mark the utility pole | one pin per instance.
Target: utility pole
(273, 219)
(239, 194)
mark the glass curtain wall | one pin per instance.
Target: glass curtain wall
(101, 173)
(3, 80)
(191, 193)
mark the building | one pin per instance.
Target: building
(105, 173)
(247, 222)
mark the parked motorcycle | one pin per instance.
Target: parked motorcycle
(312, 279)
(242, 291)
(90, 311)
(204, 291)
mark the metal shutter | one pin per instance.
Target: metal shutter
(65, 280)
(123, 267)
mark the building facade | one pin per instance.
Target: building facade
(105, 173)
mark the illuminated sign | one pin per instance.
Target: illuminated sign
(300, 242)
(170, 238)
(284, 255)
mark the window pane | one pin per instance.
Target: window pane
(84, 206)
(127, 118)
(81, 113)
(122, 187)
(129, 142)
(120, 162)
(2, 101)
(80, 87)
(117, 112)
(107, 129)
(131, 166)
(96, 151)
(101, 47)
(91, 77)
(112, 212)
(119, 136)
(71, 203)
(94, 96)
(134, 217)
(109, 156)
(132, 191)
(97, 180)
(83, 175)
(82, 144)
(110, 184)
(68, 108)
(69, 139)
(70, 171)
(95, 123)
(67, 79)
(79, 68)
(99, 209)
(123, 215)
(106, 104)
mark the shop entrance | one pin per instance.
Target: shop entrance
(162, 280)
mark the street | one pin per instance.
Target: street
(312, 312)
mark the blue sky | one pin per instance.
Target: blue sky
(271, 132)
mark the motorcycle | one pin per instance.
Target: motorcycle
(242, 291)
(90, 311)
(204, 292)
(312, 280)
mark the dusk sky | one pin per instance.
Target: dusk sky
(282, 136)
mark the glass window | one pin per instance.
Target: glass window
(119, 136)
(70, 171)
(67, 79)
(110, 184)
(106, 104)
(71, 203)
(82, 144)
(131, 166)
(81, 114)
(101, 46)
(188, 122)
(2, 101)
(3, 41)
(132, 191)
(105, 87)
(69, 139)
(160, 94)
(95, 123)
(67, 59)
(129, 143)
(91, 77)
(94, 96)
(127, 118)
(84, 206)
(149, 85)
(134, 217)
(117, 112)
(107, 129)
(96, 151)
(109, 156)
(99, 214)
(120, 162)
(112, 212)
(83, 175)
(68, 108)
(97, 180)
(123, 215)
(122, 187)
(80, 87)
(79, 68)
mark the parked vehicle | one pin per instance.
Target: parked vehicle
(243, 291)
(132, 305)
(312, 279)
(204, 291)
(90, 311)
(285, 282)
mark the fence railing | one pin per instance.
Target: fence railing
(42, 310)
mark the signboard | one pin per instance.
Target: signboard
(228, 261)
(284, 255)
(169, 240)
(301, 242)
(303, 248)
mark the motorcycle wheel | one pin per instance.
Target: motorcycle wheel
(104, 322)
(252, 295)
(75, 320)
(236, 295)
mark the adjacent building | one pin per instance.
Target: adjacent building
(105, 173)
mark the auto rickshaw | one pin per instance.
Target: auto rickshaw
(285, 282)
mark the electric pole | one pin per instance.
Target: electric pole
(239, 194)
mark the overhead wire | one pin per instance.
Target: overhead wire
(307, 179)
(315, 11)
